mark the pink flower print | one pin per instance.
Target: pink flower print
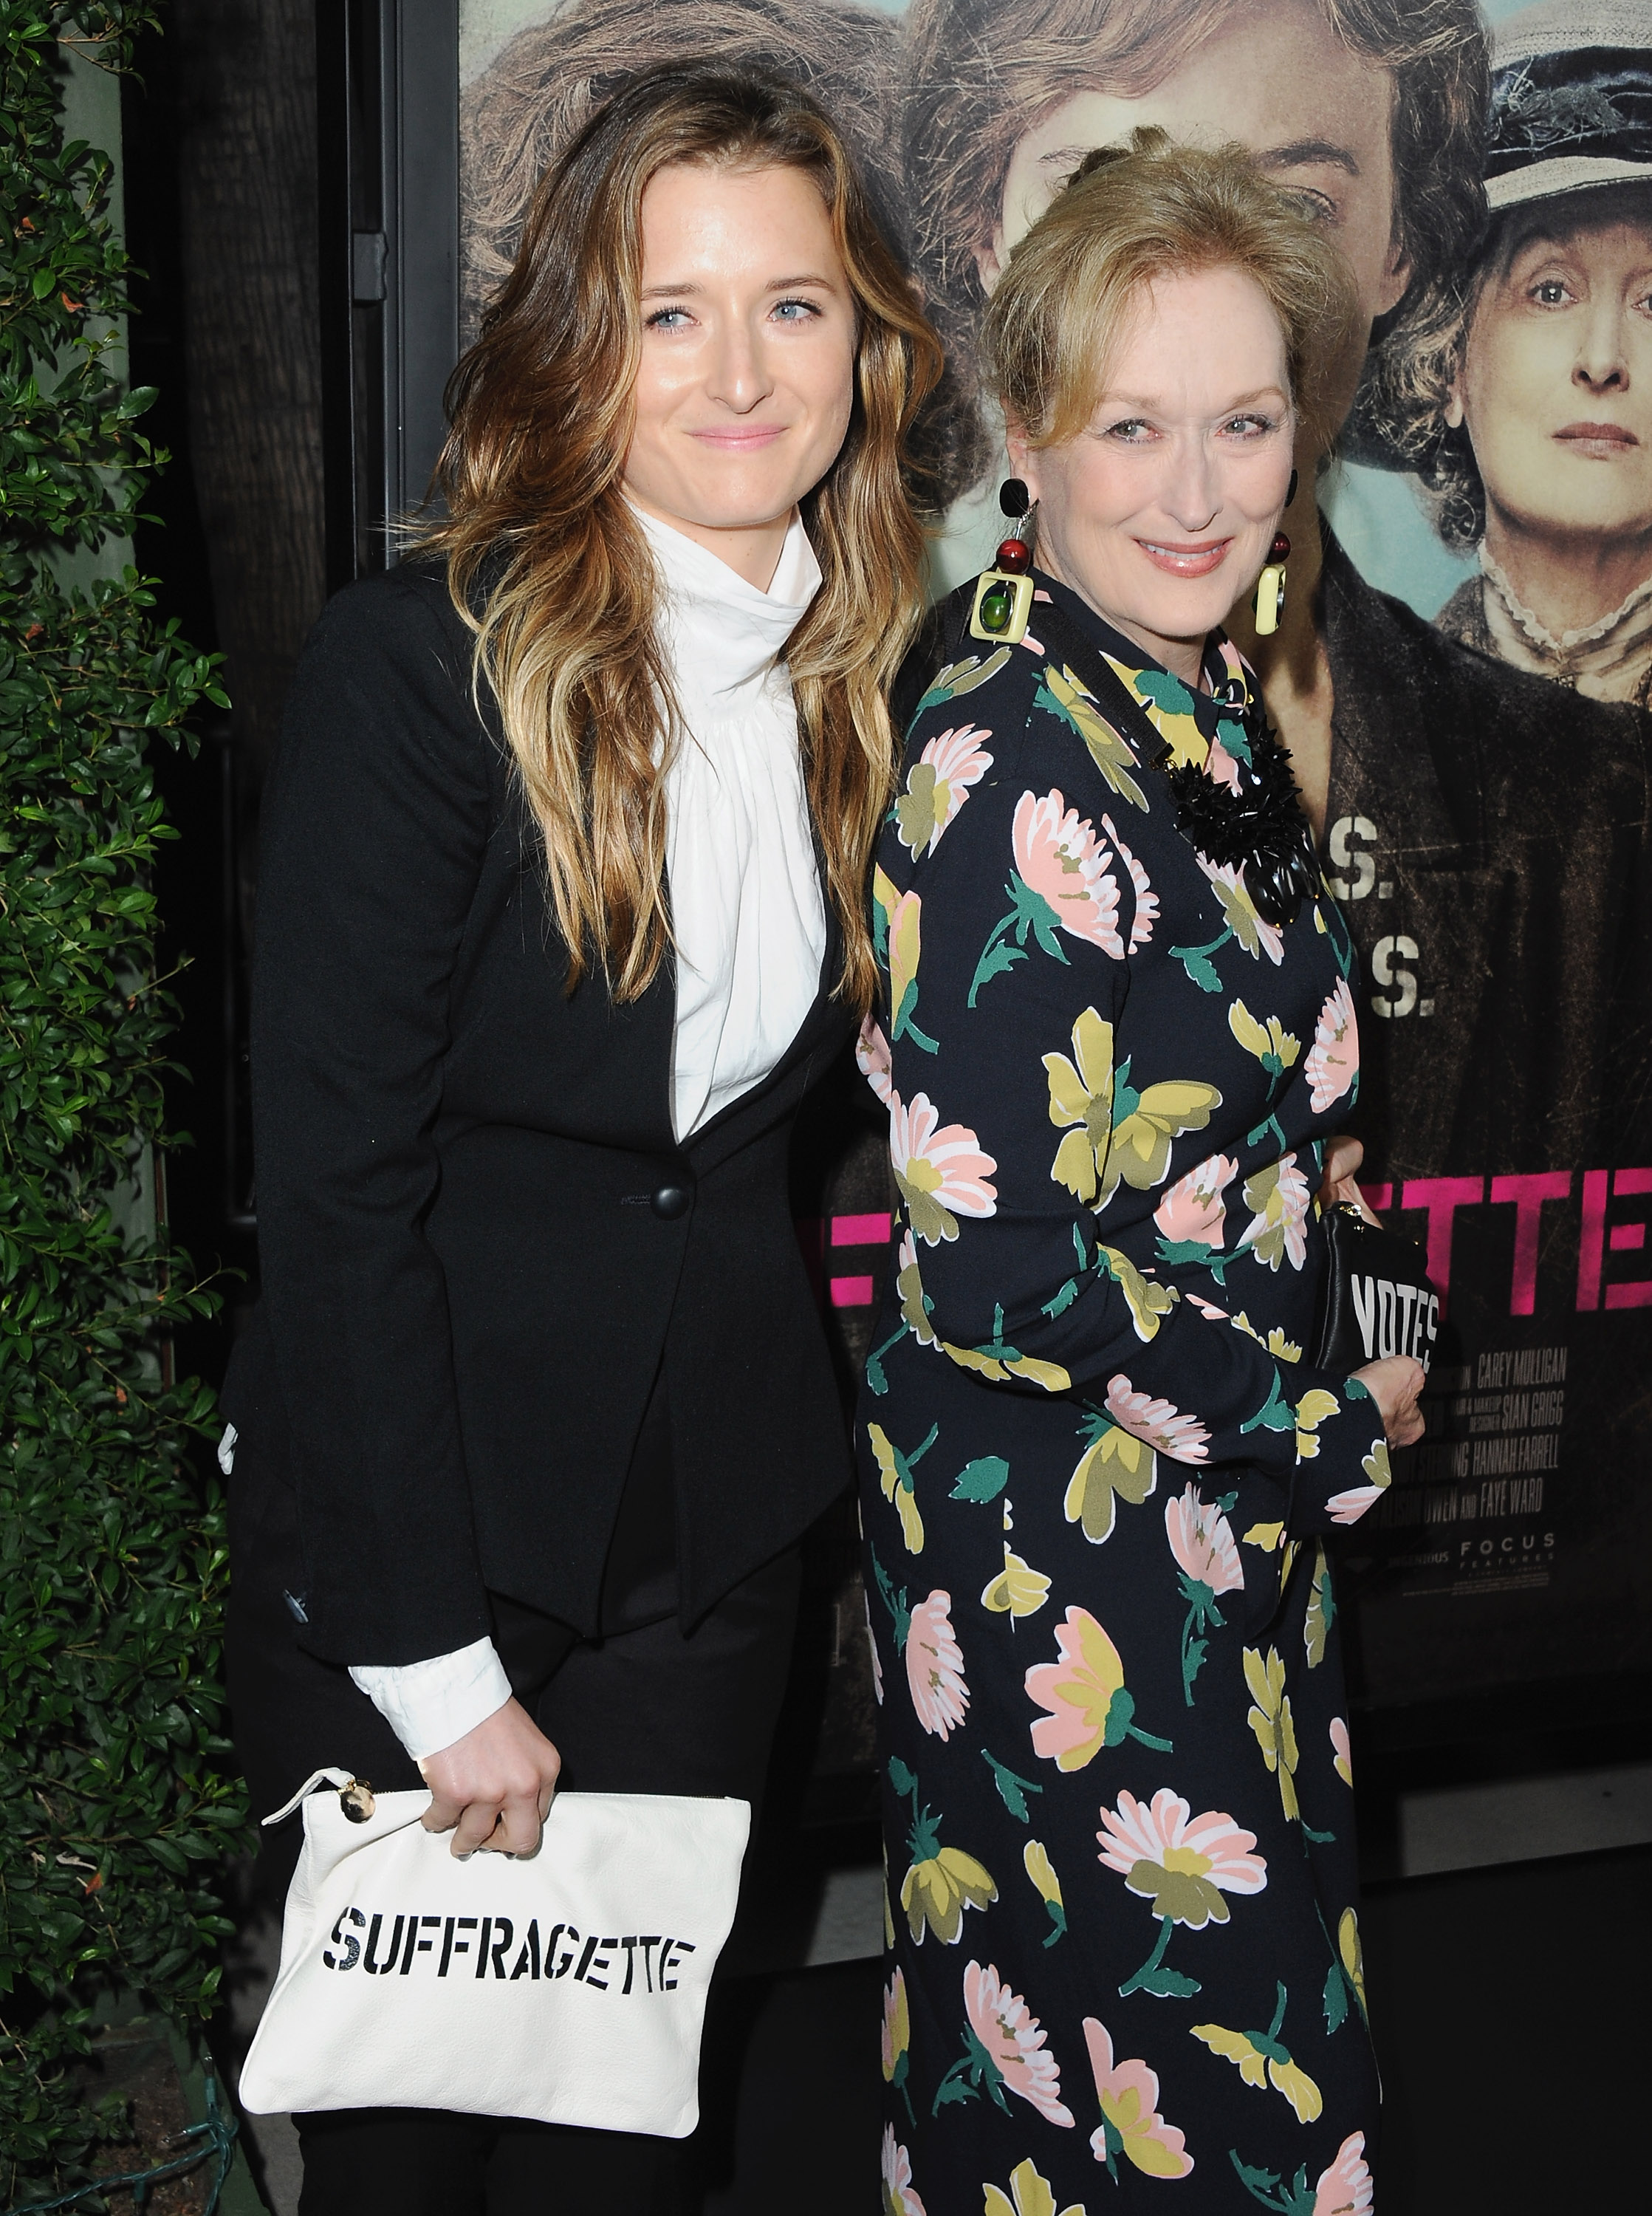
(1084, 1692)
(1182, 1862)
(1146, 915)
(940, 1169)
(1345, 2190)
(1012, 2041)
(937, 786)
(1348, 1507)
(873, 1062)
(1162, 1426)
(935, 1667)
(1333, 1061)
(1209, 1309)
(1192, 1211)
(1341, 1752)
(1058, 857)
(1202, 1539)
(899, 2199)
(1278, 1230)
(1220, 767)
(1131, 2125)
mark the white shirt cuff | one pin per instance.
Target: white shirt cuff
(430, 1704)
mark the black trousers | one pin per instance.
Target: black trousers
(643, 1709)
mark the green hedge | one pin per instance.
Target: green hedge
(115, 1806)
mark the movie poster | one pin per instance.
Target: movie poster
(1464, 685)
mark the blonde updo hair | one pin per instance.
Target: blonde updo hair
(1127, 216)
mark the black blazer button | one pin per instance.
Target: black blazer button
(671, 1201)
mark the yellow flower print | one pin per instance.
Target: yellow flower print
(997, 1360)
(884, 897)
(1018, 1590)
(1267, 1536)
(1145, 1124)
(1042, 1871)
(1081, 1094)
(1271, 1721)
(937, 1890)
(1065, 696)
(1311, 1410)
(1352, 1955)
(943, 1881)
(1029, 2195)
(1262, 2061)
(1115, 1466)
(1275, 1048)
(897, 2037)
(1146, 1300)
(905, 930)
(895, 1475)
(909, 1289)
(1283, 1349)
(1321, 1609)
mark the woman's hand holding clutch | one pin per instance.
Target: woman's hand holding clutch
(492, 1787)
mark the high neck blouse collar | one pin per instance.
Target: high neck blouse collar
(1607, 660)
(725, 635)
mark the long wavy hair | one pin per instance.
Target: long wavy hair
(548, 565)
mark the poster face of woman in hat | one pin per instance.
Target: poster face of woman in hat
(1542, 394)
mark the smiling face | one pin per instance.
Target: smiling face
(1275, 76)
(1161, 512)
(747, 368)
(1555, 386)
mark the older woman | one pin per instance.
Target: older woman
(1533, 418)
(1117, 1036)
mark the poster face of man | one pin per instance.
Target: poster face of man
(1484, 830)
(1317, 116)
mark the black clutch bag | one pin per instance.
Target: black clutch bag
(1375, 1298)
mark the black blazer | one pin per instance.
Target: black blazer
(479, 1243)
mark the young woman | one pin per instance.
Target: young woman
(1118, 1036)
(561, 913)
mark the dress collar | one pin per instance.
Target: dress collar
(1607, 660)
(724, 633)
(1188, 722)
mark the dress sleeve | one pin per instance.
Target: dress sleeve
(374, 833)
(1010, 1075)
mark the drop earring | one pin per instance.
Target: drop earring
(1268, 601)
(1003, 593)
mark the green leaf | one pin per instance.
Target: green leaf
(982, 1480)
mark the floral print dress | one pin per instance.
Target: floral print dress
(1096, 1473)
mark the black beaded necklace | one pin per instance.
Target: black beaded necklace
(1261, 827)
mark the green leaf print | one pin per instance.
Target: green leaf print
(1276, 1414)
(982, 1480)
(1195, 960)
(1294, 2200)
(1030, 916)
(1012, 1790)
(1175, 1251)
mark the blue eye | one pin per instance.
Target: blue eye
(1250, 427)
(1130, 429)
(796, 311)
(667, 319)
